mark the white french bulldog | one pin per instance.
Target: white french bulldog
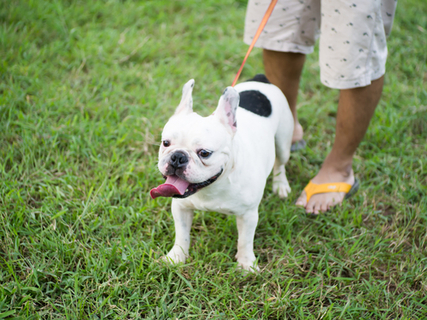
(221, 162)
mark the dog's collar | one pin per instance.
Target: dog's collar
(194, 187)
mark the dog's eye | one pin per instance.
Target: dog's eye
(166, 143)
(204, 153)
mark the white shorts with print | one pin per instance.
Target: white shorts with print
(352, 45)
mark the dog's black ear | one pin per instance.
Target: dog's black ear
(186, 104)
(227, 106)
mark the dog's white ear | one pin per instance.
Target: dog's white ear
(227, 106)
(186, 104)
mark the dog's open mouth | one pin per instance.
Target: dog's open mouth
(179, 188)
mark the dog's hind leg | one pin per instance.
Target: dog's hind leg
(280, 182)
(283, 140)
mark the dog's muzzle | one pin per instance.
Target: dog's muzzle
(180, 188)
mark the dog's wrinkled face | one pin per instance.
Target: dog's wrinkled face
(193, 147)
(195, 150)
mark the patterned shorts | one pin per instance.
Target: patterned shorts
(352, 44)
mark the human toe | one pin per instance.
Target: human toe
(302, 200)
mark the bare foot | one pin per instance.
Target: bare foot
(324, 201)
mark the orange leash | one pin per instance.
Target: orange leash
(257, 34)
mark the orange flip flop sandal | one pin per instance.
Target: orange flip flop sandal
(312, 188)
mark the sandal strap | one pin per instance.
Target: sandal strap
(312, 188)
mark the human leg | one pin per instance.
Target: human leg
(355, 110)
(352, 58)
(284, 69)
(288, 36)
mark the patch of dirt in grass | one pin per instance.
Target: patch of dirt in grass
(388, 210)
(384, 209)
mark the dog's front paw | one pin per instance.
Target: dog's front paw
(281, 189)
(247, 263)
(175, 256)
(248, 266)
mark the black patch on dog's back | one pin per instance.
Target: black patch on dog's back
(256, 102)
(260, 78)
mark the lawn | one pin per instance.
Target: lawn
(85, 89)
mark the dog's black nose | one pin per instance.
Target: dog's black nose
(178, 160)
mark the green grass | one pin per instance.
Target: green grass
(85, 89)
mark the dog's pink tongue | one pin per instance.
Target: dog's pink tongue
(172, 186)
